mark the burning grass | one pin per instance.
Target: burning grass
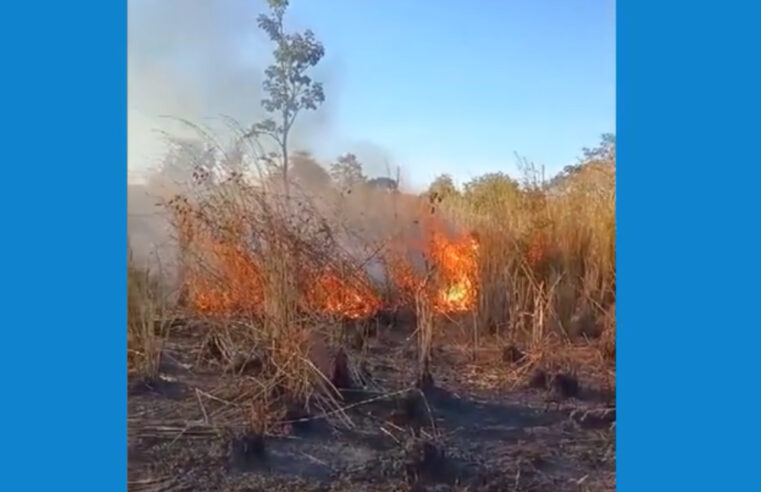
(547, 260)
(279, 286)
(278, 279)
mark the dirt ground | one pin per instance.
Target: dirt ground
(475, 430)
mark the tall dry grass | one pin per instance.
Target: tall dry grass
(546, 257)
(251, 257)
(148, 321)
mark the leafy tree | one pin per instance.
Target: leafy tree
(308, 171)
(347, 171)
(443, 187)
(385, 184)
(288, 87)
(604, 153)
(490, 189)
(305, 172)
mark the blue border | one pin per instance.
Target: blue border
(688, 329)
(64, 246)
(688, 103)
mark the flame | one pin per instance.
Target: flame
(239, 287)
(457, 267)
(351, 297)
(231, 282)
(223, 277)
(453, 288)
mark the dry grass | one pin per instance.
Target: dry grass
(547, 260)
(251, 260)
(148, 322)
(425, 330)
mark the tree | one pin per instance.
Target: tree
(304, 172)
(347, 171)
(288, 87)
(603, 155)
(308, 172)
(490, 189)
(384, 184)
(443, 187)
(604, 152)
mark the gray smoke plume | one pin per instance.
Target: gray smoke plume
(199, 60)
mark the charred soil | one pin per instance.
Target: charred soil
(185, 431)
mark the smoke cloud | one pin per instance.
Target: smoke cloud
(199, 60)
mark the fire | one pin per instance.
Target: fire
(219, 273)
(333, 295)
(230, 284)
(453, 287)
(222, 275)
(236, 286)
(457, 268)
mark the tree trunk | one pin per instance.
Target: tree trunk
(286, 187)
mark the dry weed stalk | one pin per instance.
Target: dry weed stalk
(547, 258)
(249, 255)
(425, 327)
(148, 321)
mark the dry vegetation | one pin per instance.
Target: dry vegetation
(148, 321)
(330, 333)
(547, 260)
(284, 294)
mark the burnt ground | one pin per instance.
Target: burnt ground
(472, 431)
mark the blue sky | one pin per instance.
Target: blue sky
(436, 87)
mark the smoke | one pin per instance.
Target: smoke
(199, 60)
(185, 62)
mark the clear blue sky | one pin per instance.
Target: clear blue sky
(459, 86)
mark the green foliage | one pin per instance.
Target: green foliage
(288, 87)
(603, 154)
(347, 172)
(489, 190)
(443, 188)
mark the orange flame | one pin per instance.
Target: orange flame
(220, 276)
(456, 263)
(234, 287)
(350, 297)
(228, 280)
(453, 288)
